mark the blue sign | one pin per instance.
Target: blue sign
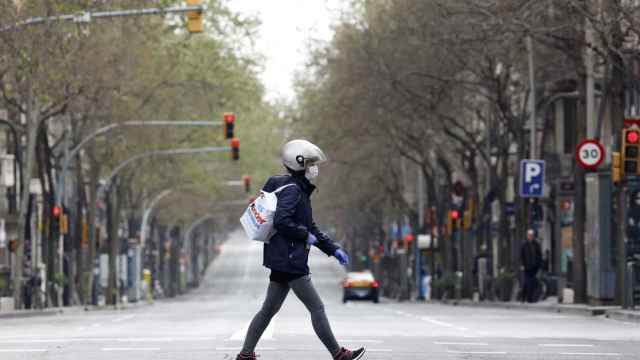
(531, 178)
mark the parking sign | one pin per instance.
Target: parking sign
(531, 178)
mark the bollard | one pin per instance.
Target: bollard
(148, 285)
(628, 289)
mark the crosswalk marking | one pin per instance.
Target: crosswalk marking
(461, 343)
(267, 335)
(478, 352)
(590, 354)
(565, 345)
(131, 349)
(21, 350)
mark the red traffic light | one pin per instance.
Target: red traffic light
(633, 137)
(229, 124)
(229, 118)
(455, 214)
(56, 211)
(235, 149)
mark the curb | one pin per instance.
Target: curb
(622, 315)
(567, 309)
(21, 314)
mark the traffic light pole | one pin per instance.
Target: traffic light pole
(86, 17)
(106, 188)
(147, 213)
(60, 198)
(194, 272)
(147, 154)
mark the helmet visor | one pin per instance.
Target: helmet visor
(315, 156)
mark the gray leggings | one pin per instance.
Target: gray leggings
(276, 293)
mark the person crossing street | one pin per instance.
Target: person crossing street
(287, 252)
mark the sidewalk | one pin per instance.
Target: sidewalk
(18, 314)
(552, 305)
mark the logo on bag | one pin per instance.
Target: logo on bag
(257, 215)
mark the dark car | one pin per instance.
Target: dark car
(360, 286)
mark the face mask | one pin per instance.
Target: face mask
(312, 172)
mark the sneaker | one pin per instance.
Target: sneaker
(243, 356)
(345, 354)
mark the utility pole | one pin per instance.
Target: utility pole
(532, 98)
(578, 263)
(416, 247)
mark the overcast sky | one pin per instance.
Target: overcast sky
(286, 27)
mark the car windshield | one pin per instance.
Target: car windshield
(359, 276)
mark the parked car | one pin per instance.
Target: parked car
(360, 286)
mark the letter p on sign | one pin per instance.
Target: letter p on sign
(532, 171)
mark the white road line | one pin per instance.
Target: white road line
(478, 352)
(21, 350)
(379, 350)
(267, 335)
(123, 318)
(361, 341)
(238, 335)
(129, 340)
(130, 349)
(565, 345)
(461, 343)
(590, 354)
(443, 324)
(437, 322)
(238, 348)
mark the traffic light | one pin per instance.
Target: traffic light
(235, 149)
(64, 224)
(467, 220)
(452, 221)
(229, 123)
(247, 183)
(194, 18)
(616, 173)
(56, 211)
(630, 152)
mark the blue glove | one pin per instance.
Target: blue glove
(312, 239)
(342, 256)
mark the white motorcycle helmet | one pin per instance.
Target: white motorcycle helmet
(299, 155)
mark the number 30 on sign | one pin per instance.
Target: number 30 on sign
(590, 154)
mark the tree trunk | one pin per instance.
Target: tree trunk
(94, 175)
(32, 135)
(113, 293)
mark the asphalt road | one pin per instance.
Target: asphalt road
(210, 322)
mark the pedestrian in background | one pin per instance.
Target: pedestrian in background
(287, 252)
(531, 262)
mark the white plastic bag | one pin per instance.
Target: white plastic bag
(257, 219)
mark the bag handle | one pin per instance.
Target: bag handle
(282, 188)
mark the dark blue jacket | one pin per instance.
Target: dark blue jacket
(287, 250)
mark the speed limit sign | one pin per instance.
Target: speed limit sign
(590, 153)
